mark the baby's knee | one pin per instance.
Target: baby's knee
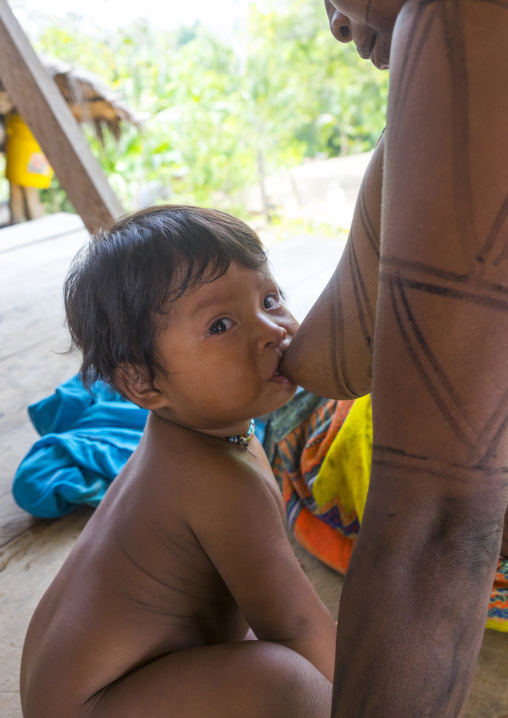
(308, 694)
(296, 688)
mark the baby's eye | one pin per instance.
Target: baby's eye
(220, 326)
(271, 301)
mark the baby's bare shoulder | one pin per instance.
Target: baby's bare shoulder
(226, 474)
(185, 472)
(238, 501)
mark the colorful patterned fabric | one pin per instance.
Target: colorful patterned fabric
(297, 439)
(498, 607)
(320, 451)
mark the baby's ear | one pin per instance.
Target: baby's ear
(135, 383)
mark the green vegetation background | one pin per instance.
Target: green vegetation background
(215, 114)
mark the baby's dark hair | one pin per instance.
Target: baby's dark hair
(123, 280)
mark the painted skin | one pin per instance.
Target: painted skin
(431, 210)
(370, 26)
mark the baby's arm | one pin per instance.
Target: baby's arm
(331, 354)
(241, 529)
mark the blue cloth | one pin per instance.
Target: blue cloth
(85, 441)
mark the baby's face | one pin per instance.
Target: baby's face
(221, 350)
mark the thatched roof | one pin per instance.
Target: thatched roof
(88, 98)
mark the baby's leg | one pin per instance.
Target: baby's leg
(251, 679)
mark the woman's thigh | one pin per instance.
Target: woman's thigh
(252, 679)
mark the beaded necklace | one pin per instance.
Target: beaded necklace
(243, 439)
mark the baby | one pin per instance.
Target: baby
(185, 563)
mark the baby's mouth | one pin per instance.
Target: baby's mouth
(280, 378)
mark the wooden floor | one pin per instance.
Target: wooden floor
(33, 261)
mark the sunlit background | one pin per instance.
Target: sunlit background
(224, 95)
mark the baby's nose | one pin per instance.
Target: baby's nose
(271, 335)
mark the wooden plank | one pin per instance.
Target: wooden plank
(27, 566)
(24, 379)
(32, 268)
(49, 227)
(489, 693)
(13, 446)
(30, 376)
(33, 204)
(42, 106)
(9, 704)
(31, 280)
(16, 203)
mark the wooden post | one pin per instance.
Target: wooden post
(39, 101)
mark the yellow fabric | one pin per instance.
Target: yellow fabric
(345, 471)
(26, 165)
(497, 625)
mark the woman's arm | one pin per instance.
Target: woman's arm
(415, 601)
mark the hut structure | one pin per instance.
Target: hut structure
(38, 100)
(89, 100)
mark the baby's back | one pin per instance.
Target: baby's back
(138, 584)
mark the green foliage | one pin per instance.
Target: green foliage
(54, 198)
(212, 114)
